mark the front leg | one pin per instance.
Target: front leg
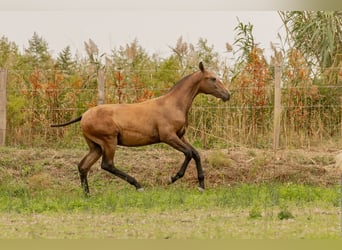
(189, 153)
(175, 142)
(197, 158)
(181, 172)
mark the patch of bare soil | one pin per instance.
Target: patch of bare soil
(234, 166)
(153, 166)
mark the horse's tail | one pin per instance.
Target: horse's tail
(67, 123)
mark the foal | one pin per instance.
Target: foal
(163, 119)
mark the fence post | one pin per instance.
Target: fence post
(277, 107)
(3, 79)
(100, 86)
(341, 116)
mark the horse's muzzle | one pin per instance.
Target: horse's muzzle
(225, 97)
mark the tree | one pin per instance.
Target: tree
(317, 34)
(188, 55)
(207, 54)
(167, 74)
(132, 56)
(37, 54)
(64, 60)
(134, 70)
(8, 52)
(184, 52)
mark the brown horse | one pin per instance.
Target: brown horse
(163, 119)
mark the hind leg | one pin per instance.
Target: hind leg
(108, 163)
(86, 163)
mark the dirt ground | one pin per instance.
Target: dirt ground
(153, 166)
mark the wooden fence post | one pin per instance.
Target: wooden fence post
(277, 107)
(3, 80)
(341, 116)
(100, 87)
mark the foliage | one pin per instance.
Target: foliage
(255, 213)
(244, 41)
(37, 54)
(313, 69)
(252, 81)
(65, 61)
(8, 52)
(317, 34)
(285, 214)
(44, 90)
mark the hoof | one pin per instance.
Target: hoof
(140, 190)
(169, 182)
(201, 189)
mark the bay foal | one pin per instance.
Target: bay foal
(163, 119)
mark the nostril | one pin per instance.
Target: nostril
(227, 97)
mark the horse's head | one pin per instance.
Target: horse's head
(212, 85)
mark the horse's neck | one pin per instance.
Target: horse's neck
(183, 94)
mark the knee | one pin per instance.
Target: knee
(188, 153)
(82, 171)
(106, 165)
(196, 155)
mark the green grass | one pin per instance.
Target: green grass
(242, 211)
(110, 198)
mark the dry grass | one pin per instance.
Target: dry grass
(174, 224)
(234, 166)
(154, 165)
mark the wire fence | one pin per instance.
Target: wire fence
(310, 115)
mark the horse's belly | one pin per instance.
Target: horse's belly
(134, 139)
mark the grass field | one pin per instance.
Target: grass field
(40, 197)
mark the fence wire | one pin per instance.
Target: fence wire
(310, 113)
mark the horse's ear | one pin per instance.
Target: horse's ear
(201, 67)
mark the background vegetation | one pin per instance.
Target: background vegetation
(44, 89)
(252, 193)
